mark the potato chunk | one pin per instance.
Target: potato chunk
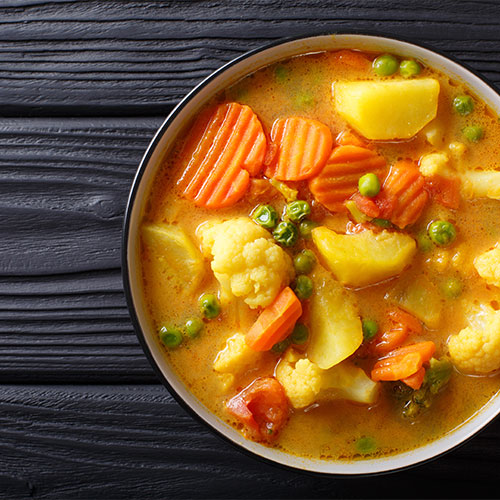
(335, 325)
(364, 258)
(419, 297)
(384, 110)
(175, 254)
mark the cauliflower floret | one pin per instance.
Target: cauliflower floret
(476, 349)
(434, 164)
(305, 382)
(246, 261)
(300, 378)
(488, 266)
(235, 358)
(457, 149)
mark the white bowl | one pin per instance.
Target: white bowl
(164, 138)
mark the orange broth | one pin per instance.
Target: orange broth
(302, 86)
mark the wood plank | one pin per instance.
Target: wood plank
(135, 441)
(135, 58)
(64, 186)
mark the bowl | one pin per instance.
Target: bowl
(151, 161)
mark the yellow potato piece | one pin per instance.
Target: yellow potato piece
(335, 325)
(419, 297)
(364, 258)
(174, 254)
(385, 110)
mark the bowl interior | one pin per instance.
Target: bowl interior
(226, 76)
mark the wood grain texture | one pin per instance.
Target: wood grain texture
(136, 442)
(64, 185)
(135, 57)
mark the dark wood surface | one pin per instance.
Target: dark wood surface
(83, 87)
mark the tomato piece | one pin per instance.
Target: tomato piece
(366, 205)
(445, 191)
(262, 407)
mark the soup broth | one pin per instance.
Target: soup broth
(446, 280)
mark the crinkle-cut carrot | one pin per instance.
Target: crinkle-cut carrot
(416, 380)
(352, 59)
(275, 321)
(224, 148)
(347, 137)
(303, 148)
(397, 368)
(338, 180)
(402, 197)
(445, 191)
(426, 349)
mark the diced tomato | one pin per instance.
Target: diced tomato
(366, 205)
(401, 317)
(445, 191)
(262, 407)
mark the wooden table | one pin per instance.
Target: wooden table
(83, 87)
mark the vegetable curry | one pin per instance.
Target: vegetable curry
(320, 258)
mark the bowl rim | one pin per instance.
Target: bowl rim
(126, 234)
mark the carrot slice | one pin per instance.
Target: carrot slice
(224, 148)
(390, 340)
(303, 148)
(403, 325)
(425, 349)
(397, 368)
(416, 380)
(275, 321)
(445, 191)
(262, 407)
(402, 197)
(338, 180)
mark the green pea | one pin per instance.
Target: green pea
(424, 243)
(366, 445)
(279, 347)
(193, 327)
(266, 216)
(409, 68)
(305, 228)
(463, 104)
(299, 334)
(303, 287)
(473, 133)
(304, 262)
(297, 210)
(369, 185)
(370, 328)
(384, 223)
(209, 305)
(452, 288)
(303, 100)
(442, 232)
(170, 336)
(286, 234)
(385, 65)
(281, 73)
